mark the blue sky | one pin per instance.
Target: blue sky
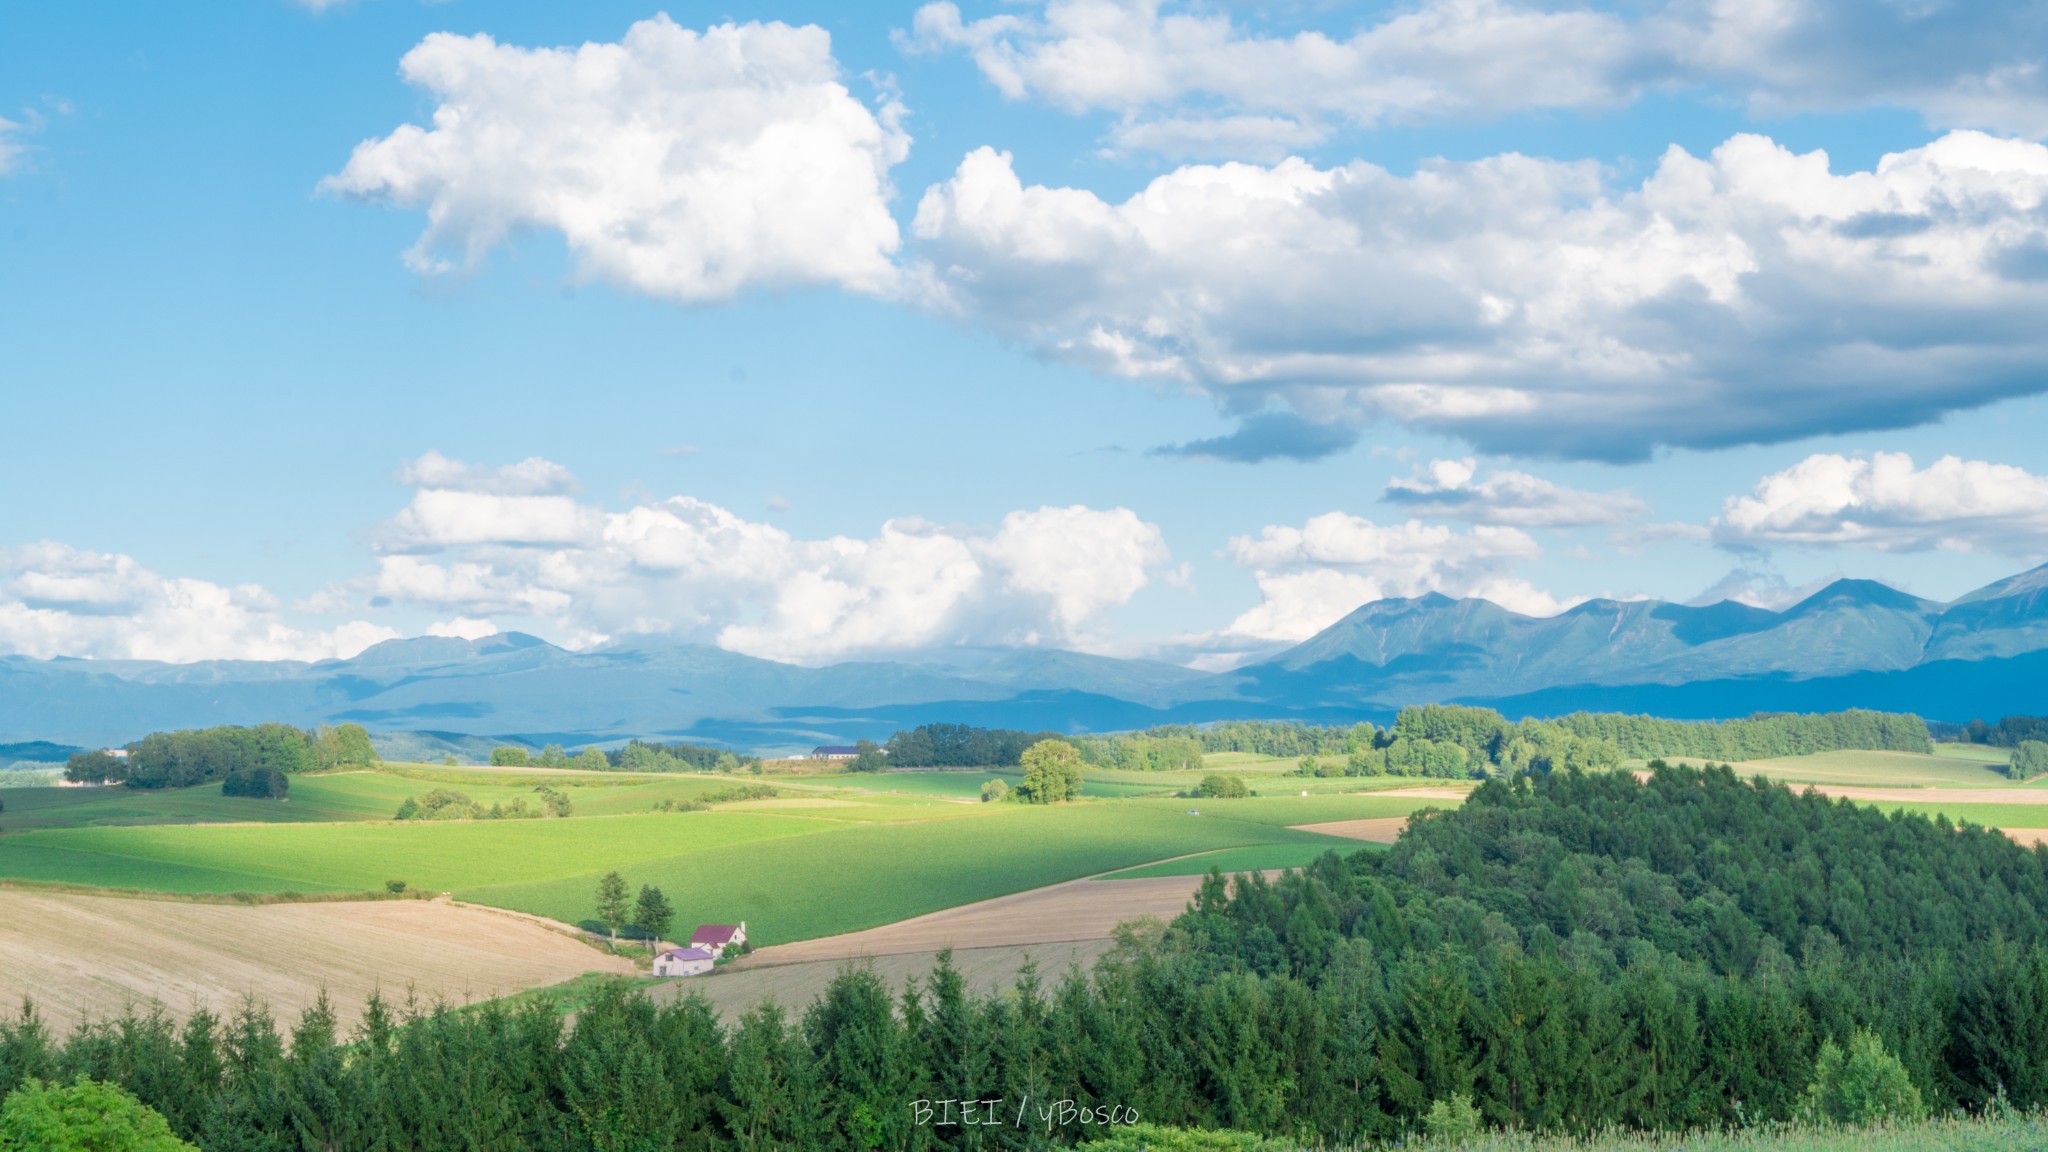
(1325, 244)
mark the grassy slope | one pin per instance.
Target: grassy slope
(435, 856)
(855, 877)
(1881, 769)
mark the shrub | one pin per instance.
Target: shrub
(2029, 760)
(1160, 1138)
(1453, 1118)
(440, 804)
(85, 1116)
(1864, 1085)
(395, 887)
(1225, 787)
(995, 790)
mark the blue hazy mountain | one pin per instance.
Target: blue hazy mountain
(1854, 643)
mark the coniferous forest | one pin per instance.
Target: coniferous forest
(1571, 952)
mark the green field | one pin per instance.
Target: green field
(1253, 858)
(1945, 769)
(859, 876)
(831, 854)
(827, 860)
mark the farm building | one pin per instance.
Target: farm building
(716, 938)
(834, 752)
(683, 962)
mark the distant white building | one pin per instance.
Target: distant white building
(834, 752)
(716, 938)
(683, 962)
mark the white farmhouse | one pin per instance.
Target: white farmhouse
(683, 962)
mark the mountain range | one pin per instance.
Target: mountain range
(1854, 643)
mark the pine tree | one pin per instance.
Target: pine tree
(653, 915)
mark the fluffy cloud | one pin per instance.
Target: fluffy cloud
(1311, 576)
(1447, 489)
(1196, 82)
(56, 600)
(1885, 503)
(1081, 560)
(692, 569)
(1525, 305)
(688, 165)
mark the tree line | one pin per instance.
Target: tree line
(1569, 953)
(2009, 732)
(248, 761)
(1440, 740)
(635, 756)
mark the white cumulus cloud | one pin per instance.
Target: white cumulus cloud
(56, 600)
(688, 165)
(1529, 306)
(1312, 575)
(689, 568)
(1883, 502)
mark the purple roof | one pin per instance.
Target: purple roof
(688, 954)
(714, 933)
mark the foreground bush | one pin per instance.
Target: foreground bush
(82, 1117)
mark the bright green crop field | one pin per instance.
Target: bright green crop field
(1252, 858)
(859, 876)
(810, 865)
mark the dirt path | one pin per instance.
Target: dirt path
(1075, 910)
(1379, 830)
(85, 956)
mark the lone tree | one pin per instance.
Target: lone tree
(611, 903)
(653, 914)
(1052, 773)
(1223, 786)
(593, 759)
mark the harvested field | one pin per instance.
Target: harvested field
(735, 988)
(1933, 795)
(2027, 837)
(1382, 830)
(80, 957)
(1060, 913)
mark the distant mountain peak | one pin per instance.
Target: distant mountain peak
(2025, 583)
(1863, 593)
